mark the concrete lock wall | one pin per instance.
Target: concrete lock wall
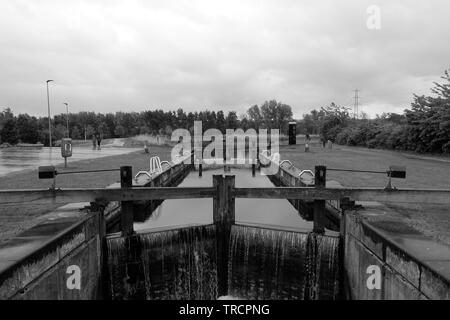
(67, 267)
(377, 269)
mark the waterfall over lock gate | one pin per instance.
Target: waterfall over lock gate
(262, 264)
(171, 265)
(275, 264)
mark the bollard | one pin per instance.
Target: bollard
(319, 205)
(126, 220)
(200, 170)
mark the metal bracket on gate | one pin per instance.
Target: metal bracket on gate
(348, 204)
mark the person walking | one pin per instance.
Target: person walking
(323, 140)
(307, 141)
(99, 140)
(94, 142)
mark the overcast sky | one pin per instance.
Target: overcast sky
(108, 56)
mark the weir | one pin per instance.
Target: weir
(173, 264)
(280, 265)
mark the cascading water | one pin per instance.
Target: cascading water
(174, 264)
(263, 264)
(274, 264)
(322, 267)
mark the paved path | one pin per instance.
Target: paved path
(17, 159)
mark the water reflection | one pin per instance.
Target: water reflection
(273, 212)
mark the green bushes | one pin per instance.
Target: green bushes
(425, 128)
(395, 137)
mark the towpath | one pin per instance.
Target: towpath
(424, 172)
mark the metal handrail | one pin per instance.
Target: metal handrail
(142, 172)
(155, 167)
(282, 162)
(166, 162)
(305, 171)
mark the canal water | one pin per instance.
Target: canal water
(17, 159)
(273, 213)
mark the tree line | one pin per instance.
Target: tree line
(83, 125)
(424, 128)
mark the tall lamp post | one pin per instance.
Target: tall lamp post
(49, 118)
(67, 118)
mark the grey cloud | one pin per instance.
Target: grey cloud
(114, 55)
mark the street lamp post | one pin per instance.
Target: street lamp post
(49, 118)
(67, 118)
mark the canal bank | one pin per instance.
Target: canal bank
(22, 216)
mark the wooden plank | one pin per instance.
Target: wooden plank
(14, 197)
(357, 194)
(126, 207)
(230, 203)
(60, 196)
(218, 199)
(319, 205)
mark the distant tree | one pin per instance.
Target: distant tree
(244, 122)
(144, 130)
(220, 121)
(284, 115)
(27, 129)
(89, 131)
(9, 131)
(254, 114)
(59, 132)
(119, 131)
(168, 130)
(276, 115)
(5, 115)
(181, 119)
(75, 133)
(429, 120)
(335, 119)
(231, 120)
